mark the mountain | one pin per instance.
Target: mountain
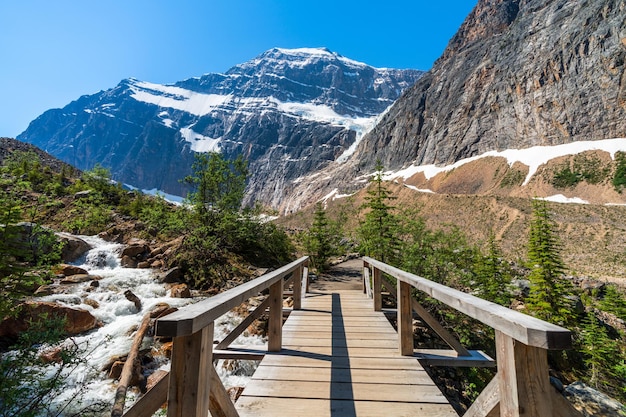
(290, 112)
(517, 74)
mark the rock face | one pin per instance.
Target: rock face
(289, 112)
(518, 73)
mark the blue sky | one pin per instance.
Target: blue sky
(52, 52)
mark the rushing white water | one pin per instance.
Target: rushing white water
(120, 317)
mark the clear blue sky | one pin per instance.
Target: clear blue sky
(52, 52)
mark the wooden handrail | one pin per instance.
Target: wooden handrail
(193, 318)
(522, 327)
(192, 386)
(521, 385)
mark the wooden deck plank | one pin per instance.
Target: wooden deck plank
(346, 391)
(269, 407)
(340, 358)
(366, 376)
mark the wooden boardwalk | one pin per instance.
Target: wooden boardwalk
(340, 358)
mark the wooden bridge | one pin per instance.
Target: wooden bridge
(338, 355)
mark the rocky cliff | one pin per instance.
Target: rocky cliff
(289, 112)
(518, 73)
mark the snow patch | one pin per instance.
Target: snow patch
(532, 157)
(200, 143)
(420, 190)
(177, 98)
(560, 198)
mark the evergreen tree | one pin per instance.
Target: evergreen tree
(219, 185)
(614, 302)
(601, 353)
(378, 233)
(318, 241)
(492, 275)
(548, 288)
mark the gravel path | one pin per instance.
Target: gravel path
(344, 276)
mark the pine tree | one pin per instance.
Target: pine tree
(378, 233)
(492, 275)
(548, 288)
(601, 353)
(318, 241)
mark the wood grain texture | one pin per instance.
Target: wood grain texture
(528, 330)
(340, 358)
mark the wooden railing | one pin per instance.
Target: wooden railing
(521, 386)
(192, 387)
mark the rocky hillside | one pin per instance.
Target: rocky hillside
(518, 73)
(289, 112)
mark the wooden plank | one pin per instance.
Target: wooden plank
(355, 335)
(220, 404)
(345, 391)
(352, 351)
(405, 319)
(488, 402)
(275, 322)
(234, 334)
(151, 401)
(297, 287)
(377, 289)
(524, 380)
(442, 357)
(529, 330)
(369, 363)
(380, 376)
(367, 284)
(189, 376)
(342, 343)
(269, 407)
(192, 318)
(445, 335)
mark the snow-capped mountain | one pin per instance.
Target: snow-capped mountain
(288, 111)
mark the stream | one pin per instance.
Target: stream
(120, 317)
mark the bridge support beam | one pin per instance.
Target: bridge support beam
(189, 380)
(275, 324)
(524, 380)
(405, 319)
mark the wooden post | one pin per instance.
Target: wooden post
(525, 388)
(192, 357)
(305, 274)
(297, 288)
(378, 287)
(275, 325)
(367, 286)
(220, 403)
(405, 319)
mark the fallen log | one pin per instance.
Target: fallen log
(127, 371)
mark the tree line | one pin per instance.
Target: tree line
(538, 285)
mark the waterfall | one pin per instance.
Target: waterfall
(120, 317)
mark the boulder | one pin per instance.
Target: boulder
(69, 270)
(72, 247)
(78, 278)
(180, 291)
(128, 262)
(591, 402)
(172, 275)
(135, 250)
(76, 320)
(130, 296)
